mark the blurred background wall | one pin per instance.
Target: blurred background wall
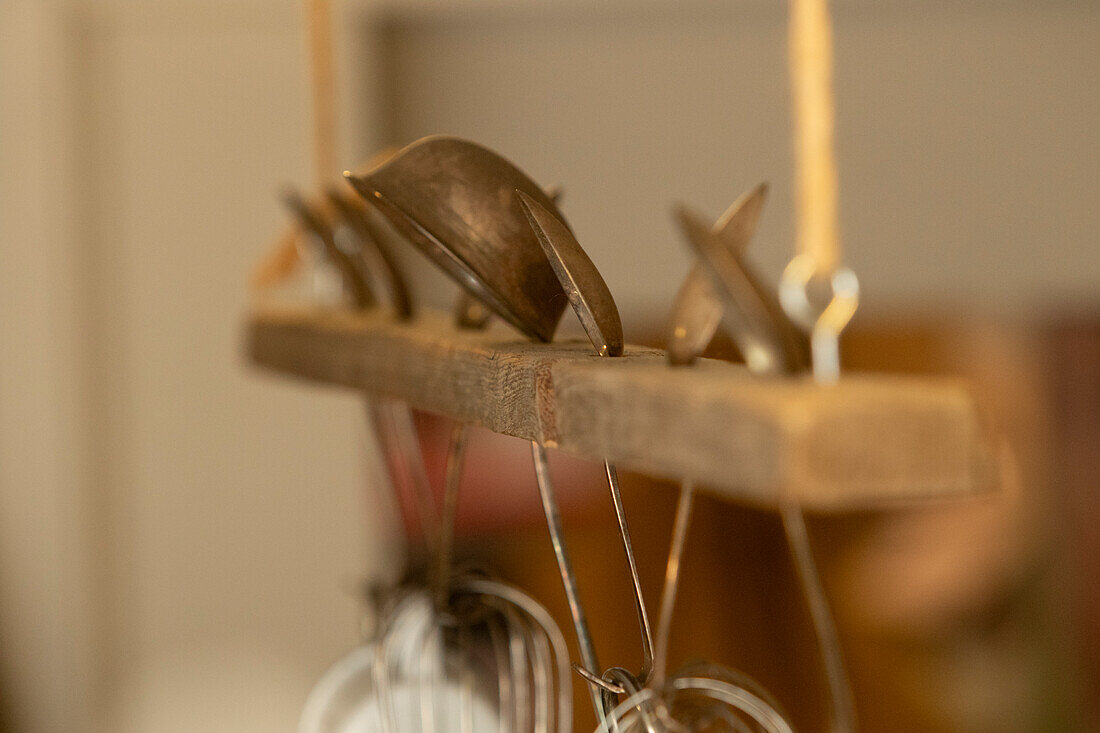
(180, 539)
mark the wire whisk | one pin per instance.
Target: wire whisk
(493, 659)
(456, 650)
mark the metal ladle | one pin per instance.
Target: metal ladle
(470, 314)
(346, 224)
(445, 196)
(463, 205)
(452, 199)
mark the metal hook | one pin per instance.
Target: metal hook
(672, 580)
(824, 322)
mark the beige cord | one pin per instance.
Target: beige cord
(811, 62)
(284, 258)
(811, 59)
(279, 262)
(323, 82)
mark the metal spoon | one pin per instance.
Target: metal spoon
(469, 312)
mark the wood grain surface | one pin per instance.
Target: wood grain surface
(867, 441)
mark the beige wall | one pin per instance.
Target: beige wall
(179, 537)
(966, 133)
(182, 538)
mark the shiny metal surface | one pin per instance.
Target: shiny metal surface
(768, 341)
(316, 221)
(824, 320)
(697, 308)
(551, 509)
(583, 285)
(636, 583)
(842, 706)
(380, 268)
(455, 201)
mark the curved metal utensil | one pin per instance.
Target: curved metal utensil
(391, 420)
(770, 344)
(583, 285)
(379, 264)
(469, 312)
(695, 317)
(316, 222)
(595, 307)
(766, 338)
(454, 200)
(697, 308)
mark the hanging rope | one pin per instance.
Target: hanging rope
(811, 64)
(323, 83)
(285, 258)
(817, 242)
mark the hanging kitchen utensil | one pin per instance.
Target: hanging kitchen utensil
(454, 200)
(771, 345)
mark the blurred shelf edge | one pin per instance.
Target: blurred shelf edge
(869, 441)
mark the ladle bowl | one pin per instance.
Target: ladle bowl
(456, 202)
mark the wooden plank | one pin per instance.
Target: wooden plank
(866, 441)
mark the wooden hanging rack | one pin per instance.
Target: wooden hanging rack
(867, 441)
